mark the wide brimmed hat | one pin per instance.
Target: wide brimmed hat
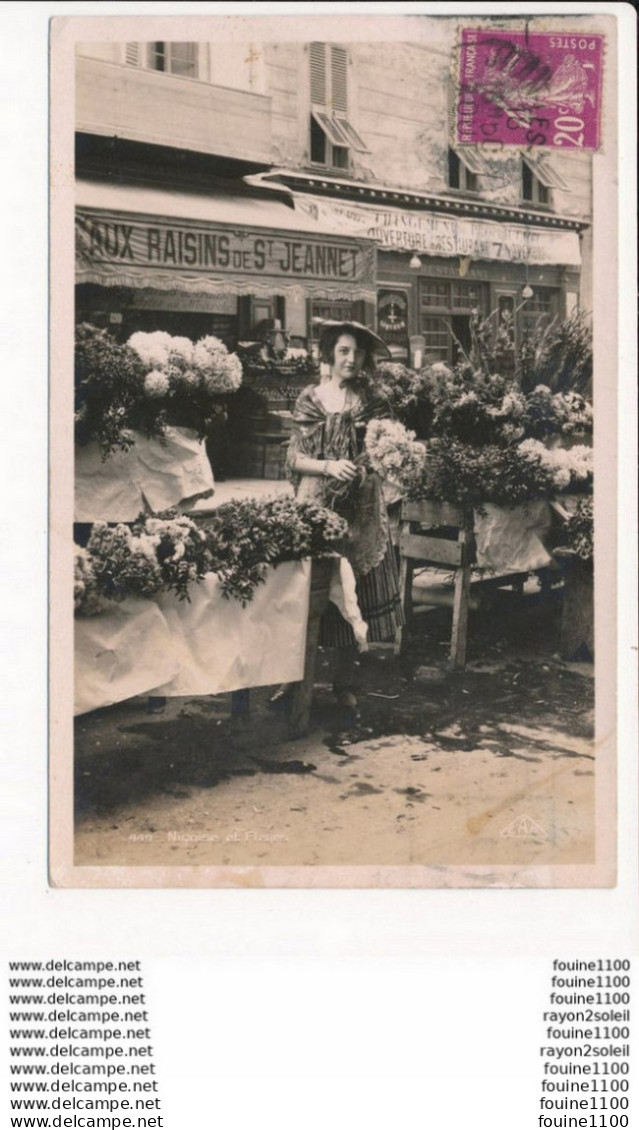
(375, 343)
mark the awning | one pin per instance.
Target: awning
(138, 237)
(429, 233)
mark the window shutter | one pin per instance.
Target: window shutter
(339, 80)
(317, 58)
(132, 54)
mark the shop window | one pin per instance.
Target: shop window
(540, 309)
(332, 134)
(446, 308)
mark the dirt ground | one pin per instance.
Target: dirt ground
(491, 765)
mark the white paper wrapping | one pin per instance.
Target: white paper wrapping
(151, 475)
(210, 645)
(510, 539)
(121, 653)
(221, 646)
(343, 593)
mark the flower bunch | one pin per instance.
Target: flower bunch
(560, 414)
(394, 452)
(178, 545)
(86, 597)
(123, 564)
(557, 354)
(570, 468)
(110, 400)
(474, 406)
(246, 536)
(579, 530)
(186, 380)
(506, 476)
(170, 551)
(152, 348)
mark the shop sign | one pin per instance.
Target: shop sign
(402, 230)
(392, 316)
(124, 242)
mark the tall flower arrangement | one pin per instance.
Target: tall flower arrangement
(487, 433)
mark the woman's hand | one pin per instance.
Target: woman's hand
(341, 469)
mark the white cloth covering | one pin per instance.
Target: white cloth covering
(171, 647)
(510, 539)
(121, 653)
(150, 475)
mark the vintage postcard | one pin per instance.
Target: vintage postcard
(334, 381)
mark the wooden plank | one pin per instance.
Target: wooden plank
(459, 633)
(430, 513)
(440, 551)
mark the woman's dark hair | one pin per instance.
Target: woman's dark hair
(329, 337)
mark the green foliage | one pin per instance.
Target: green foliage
(558, 355)
(170, 551)
(109, 394)
(579, 531)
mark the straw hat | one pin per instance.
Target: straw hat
(375, 343)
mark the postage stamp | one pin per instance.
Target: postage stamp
(537, 88)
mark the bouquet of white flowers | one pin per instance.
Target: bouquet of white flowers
(394, 452)
(186, 380)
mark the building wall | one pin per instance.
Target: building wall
(399, 102)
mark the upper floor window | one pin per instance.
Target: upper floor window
(238, 66)
(174, 58)
(332, 135)
(538, 178)
(463, 171)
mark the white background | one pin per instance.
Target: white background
(280, 1008)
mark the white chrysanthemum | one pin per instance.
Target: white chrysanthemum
(153, 349)
(561, 478)
(440, 369)
(209, 353)
(156, 383)
(184, 347)
(532, 449)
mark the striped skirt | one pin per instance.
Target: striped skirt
(380, 605)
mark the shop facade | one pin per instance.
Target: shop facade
(192, 265)
(440, 265)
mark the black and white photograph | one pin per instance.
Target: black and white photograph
(333, 298)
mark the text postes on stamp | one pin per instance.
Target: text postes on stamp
(535, 88)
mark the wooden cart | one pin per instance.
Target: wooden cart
(438, 534)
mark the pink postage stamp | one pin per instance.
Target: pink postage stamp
(537, 88)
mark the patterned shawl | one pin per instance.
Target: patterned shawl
(340, 435)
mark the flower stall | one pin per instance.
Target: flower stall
(172, 606)
(142, 410)
(480, 457)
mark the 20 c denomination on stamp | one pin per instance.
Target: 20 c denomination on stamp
(530, 88)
